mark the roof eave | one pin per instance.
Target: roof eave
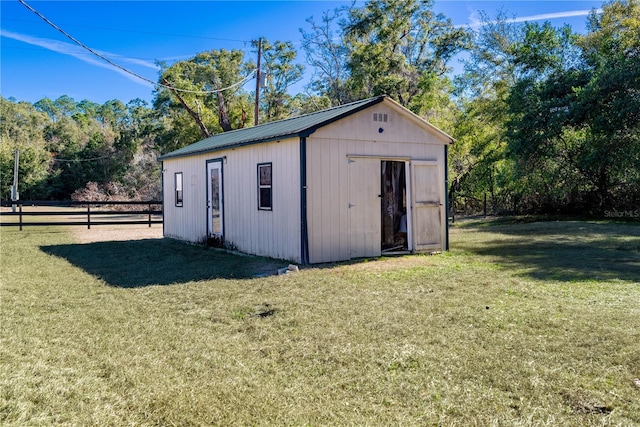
(232, 146)
(300, 133)
(436, 130)
(312, 129)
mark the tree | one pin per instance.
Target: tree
(205, 88)
(536, 129)
(21, 128)
(327, 54)
(142, 177)
(282, 72)
(477, 165)
(608, 105)
(65, 145)
(88, 108)
(478, 162)
(400, 48)
(48, 107)
(305, 104)
(575, 112)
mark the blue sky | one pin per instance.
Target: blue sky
(37, 61)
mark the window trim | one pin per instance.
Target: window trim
(179, 189)
(264, 186)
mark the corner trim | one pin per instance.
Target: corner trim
(304, 234)
(446, 196)
(164, 211)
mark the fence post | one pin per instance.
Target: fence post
(88, 217)
(20, 216)
(485, 205)
(149, 214)
(452, 208)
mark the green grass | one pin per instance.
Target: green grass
(521, 324)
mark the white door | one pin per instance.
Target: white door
(426, 203)
(365, 226)
(214, 198)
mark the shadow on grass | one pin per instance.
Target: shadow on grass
(137, 263)
(563, 251)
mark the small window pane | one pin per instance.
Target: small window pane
(265, 175)
(265, 198)
(179, 196)
(264, 187)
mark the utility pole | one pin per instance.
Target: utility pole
(256, 113)
(14, 188)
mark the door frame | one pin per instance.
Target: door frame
(408, 198)
(209, 222)
(409, 190)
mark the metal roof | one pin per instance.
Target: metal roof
(300, 126)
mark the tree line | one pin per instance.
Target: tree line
(545, 120)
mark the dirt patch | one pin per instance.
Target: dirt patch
(383, 263)
(107, 233)
(582, 402)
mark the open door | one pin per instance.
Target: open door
(394, 207)
(364, 207)
(426, 203)
(214, 199)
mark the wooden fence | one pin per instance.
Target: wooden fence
(84, 213)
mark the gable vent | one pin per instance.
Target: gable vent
(380, 117)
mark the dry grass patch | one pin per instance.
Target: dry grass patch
(110, 233)
(477, 336)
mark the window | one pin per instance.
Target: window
(178, 189)
(264, 187)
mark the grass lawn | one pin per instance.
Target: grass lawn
(520, 324)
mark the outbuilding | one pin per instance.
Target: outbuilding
(354, 181)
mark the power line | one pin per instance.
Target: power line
(120, 67)
(80, 160)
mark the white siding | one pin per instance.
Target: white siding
(188, 222)
(364, 208)
(274, 233)
(328, 183)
